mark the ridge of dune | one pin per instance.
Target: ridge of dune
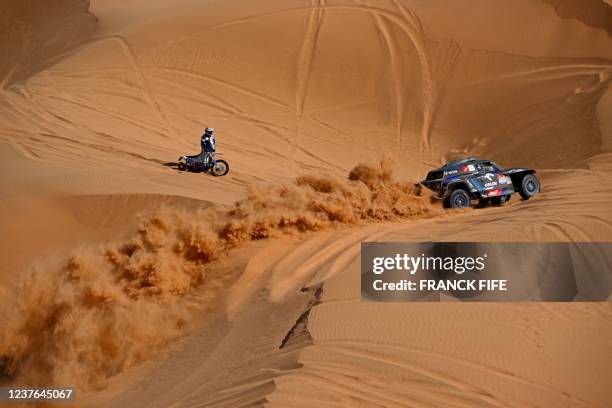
(595, 13)
(32, 33)
(604, 107)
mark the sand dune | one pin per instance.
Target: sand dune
(72, 319)
(243, 290)
(31, 41)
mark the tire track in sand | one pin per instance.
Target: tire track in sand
(246, 91)
(144, 82)
(426, 392)
(406, 20)
(416, 34)
(396, 75)
(304, 71)
(355, 350)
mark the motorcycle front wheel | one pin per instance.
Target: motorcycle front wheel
(220, 168)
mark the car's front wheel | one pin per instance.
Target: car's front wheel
(530, 186)
(458, 199)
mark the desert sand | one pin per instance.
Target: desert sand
(144, 286)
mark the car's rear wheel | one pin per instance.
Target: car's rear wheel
(458, 199)
(530, 186)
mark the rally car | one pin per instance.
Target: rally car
(459, 182)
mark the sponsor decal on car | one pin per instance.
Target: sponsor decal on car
(489, 176)
(491, 184)
(468, 168)
(451, 172)
(495, 193)
(504, 179)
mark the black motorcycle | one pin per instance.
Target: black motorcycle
(211, 165)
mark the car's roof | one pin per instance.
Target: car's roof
(460, 162)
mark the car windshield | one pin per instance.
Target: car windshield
(489, 167)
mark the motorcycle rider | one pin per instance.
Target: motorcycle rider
(208, 145)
